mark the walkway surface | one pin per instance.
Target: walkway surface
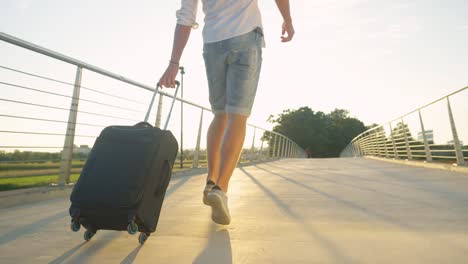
(287, 211)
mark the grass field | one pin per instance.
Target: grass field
(34, 181)
(27, 175)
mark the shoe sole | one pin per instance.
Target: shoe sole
(205, 198)
(222, 217)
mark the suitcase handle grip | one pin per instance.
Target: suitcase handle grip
(172, 105)
(143, 124)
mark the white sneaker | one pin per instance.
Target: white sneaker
(218, 201)
(208, 188)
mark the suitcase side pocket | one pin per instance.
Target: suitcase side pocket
(166, 176)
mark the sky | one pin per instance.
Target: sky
(378, 59)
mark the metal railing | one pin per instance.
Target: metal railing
(395, 139)
(273, 145)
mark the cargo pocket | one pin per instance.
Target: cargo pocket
(245, 63)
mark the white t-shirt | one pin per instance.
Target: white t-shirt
(223, 18)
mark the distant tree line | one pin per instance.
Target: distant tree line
(25, 156)
(326, 135)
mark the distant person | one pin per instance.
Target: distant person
(233, 41)
(309, 153)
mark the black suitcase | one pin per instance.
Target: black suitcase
(124, 180)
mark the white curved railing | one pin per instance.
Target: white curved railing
(276, 146)
(437, 138)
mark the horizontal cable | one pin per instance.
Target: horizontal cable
(67, 83)
(436, 145)
(44, 134)
(67, 96)
(80, 64)
(49, 120)
(444, 157)
(417, 146)
(60, 108)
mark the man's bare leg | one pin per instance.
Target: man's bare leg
(231, 148)
(214, 138)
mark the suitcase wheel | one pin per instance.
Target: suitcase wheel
(143, 237)
(88, 234)
(132, 228)
(75, 226)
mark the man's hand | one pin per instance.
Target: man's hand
(287, 28)
(168, 78)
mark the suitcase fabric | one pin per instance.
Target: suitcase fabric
(124, 180)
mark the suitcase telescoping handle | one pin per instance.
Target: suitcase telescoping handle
(172, 105)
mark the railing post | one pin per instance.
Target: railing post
(67, 152)
(456, 141)
(374, 146)
(285, 153)
(182, 72)
(354, 150)
(280, 139)
(395, 154)
(253, 143)
(196, 157)
(384, 138)
(408, 149)
(275, 145)
(291, 149)
(283, 147)
(270, 146)
(278, 150)
(261, 150)
(159, 112)
(426, 143)
(382, 142)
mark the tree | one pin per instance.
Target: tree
(325, 134)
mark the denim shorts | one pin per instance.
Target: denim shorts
(233, 69)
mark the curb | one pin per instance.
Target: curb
(423, 164)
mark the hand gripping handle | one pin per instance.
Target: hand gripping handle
(172, 105)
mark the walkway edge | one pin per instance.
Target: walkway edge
(448, 167)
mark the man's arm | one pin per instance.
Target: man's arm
(181, 36)
(283, 6)
(186, 17)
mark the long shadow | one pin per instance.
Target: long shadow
(349, 204)
(132, 256)
(301, 172)
(31, 228)
(380, 193)
(94, 246)
(427, 185)
(419, 183)
(338, 254)
(218, 249)
(172, 188)
(67, 254)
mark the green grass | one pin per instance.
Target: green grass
(12, 183)
(28, 182)
(37, 166)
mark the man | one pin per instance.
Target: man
(233, 41)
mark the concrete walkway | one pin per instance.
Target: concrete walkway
(288, 211)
